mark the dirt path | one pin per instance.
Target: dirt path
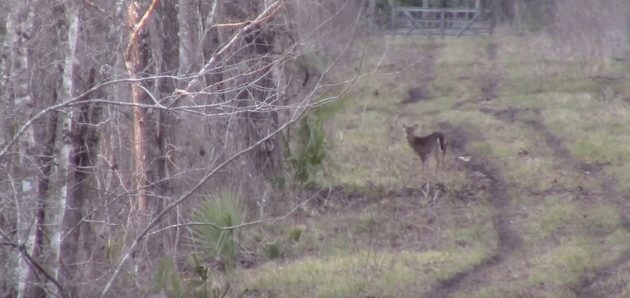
(489, 80)
(553, 142)
(593, 282)
(422, 89)
(488, 179)
(492, 78)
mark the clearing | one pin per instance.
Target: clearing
(532, 201)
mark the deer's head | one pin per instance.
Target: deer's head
(410, 129)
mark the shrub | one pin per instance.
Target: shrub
(295, 234)
(273, 250)
(310, 153)
(168, 280)
(218, 212)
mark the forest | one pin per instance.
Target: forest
(311, 148)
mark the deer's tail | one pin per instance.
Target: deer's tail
(442, 144)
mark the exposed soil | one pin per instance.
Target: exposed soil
(489, 78)
(604, 281)
(592, 283)
(492, 78)
(417, 94)
(559, 150)
(421, 91)
(487, 179)
(485, 182)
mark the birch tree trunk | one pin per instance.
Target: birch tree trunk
(21, 173)
(32, 86)
(75, 158)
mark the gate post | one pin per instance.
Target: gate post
(442, 20)
(393, 21)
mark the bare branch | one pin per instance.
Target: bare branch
(35, 266)
(246, 224)
(141, 25)
(296, 115)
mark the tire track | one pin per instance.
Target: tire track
(488, 178)
(553, 142)
(592, 282)
(594, 285)
(492, 78)
(507, 239)
(489, 78)
(421, 91)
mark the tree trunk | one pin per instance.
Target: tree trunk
(255, 84)
(167, 48)
(188, 37)
(209, 44)
(137, 61)
(71, 161)
(21, 174)
(169, 44)
(144, 149)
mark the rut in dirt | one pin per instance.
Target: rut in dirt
(507, 239)
(592, 283)
(488, 78)
(491, 79)
(496, 188)
(422, 89)
(553, 142)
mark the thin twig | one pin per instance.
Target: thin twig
(223, 228)
(35, 266)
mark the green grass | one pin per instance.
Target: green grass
(554, 214)
(388, 246)
(594, 132)
(382, 274)
(471, 235)
(563, 264)
(603, 219)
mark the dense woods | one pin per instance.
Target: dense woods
(119, 116)
(122, 120)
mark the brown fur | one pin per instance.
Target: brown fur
(423, 146)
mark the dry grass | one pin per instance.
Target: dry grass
(387, 244)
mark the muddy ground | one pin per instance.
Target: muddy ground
(485, 180)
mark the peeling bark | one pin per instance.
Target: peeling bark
(137, 60)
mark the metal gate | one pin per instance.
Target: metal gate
(451, 21)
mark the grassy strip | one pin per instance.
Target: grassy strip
(381, 274)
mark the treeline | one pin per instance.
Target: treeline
(119, 117)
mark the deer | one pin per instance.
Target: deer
(424, 146)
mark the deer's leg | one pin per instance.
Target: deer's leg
(436, 152)
(423, 158)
